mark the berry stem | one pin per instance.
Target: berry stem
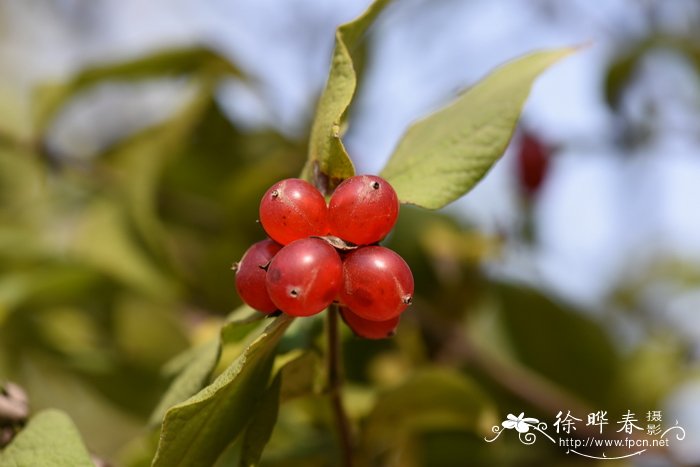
(335, 383)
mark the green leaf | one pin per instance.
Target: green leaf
(296, 378)
(328, 162)
(197, 431)
(195, 366)
(260, 429)
(434, 399)
(441, 157)
(192, 378)
(50, 439)
(48, 99)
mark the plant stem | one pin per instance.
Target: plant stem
(335, 382)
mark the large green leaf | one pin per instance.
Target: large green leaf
(443, 156)
(48, 99)
(49, 440)
(195, 366)
(329, 162)
(197, 431)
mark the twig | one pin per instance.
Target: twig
(335, 383)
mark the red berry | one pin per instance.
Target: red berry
(533, 164)
(377, 283)
(292, 209)
(363, 209)
(250, 275)
(304, 277)
(369, 329)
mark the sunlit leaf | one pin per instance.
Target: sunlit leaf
(443, 156)
(198, 430)
(50, 439)
(329, 162)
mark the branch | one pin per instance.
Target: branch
(335, 382)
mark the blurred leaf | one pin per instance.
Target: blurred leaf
(198, 430)
(433, 399)
(443, 156)
(50, 439)
(329, 162)
(139, 162)
(22, 186)
(561, 344)
(650, 373)
(46, 284)
(48, 99)
(147, 333)
(621, 71)
(74, 333)
(103, 242)
(619, 75)
(104, 425)
(13, 102)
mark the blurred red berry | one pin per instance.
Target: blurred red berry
(532, 164)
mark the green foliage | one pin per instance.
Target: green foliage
(328, 163)
(197, 431)
(441, 157)
(50, 439)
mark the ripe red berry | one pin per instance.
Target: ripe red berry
(304, 277)
(533, 164)
(369, 329)
(363, 209)
(250, 275)
(292, 209)
(377, 283)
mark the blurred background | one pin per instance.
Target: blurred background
(136, 139)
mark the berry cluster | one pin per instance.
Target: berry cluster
(322, 253)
